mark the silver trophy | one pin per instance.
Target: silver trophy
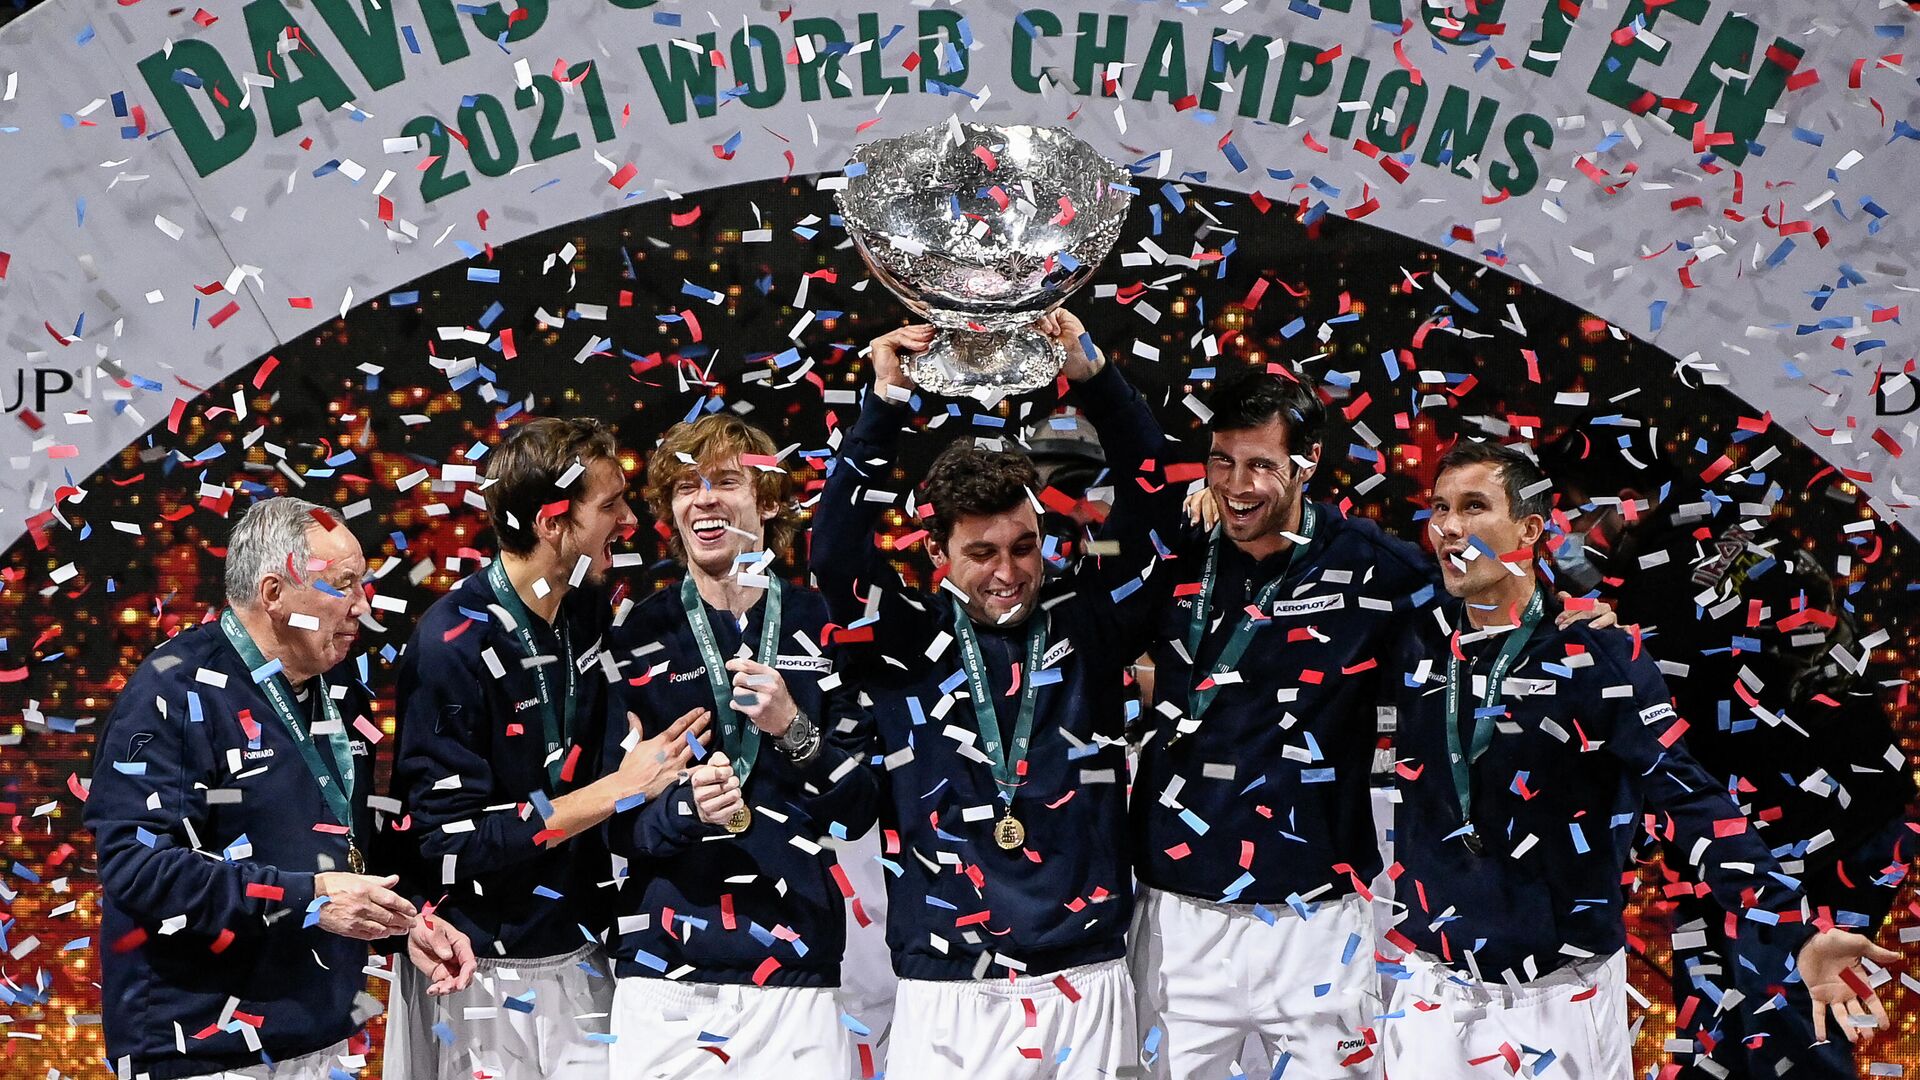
(981, 229)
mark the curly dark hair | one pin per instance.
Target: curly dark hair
(969, 481)
(1529, 490)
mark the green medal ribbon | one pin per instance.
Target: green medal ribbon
(335, 778)
(1199, 700)
(1483, 719)
(740, 739)
(1006, 766)
(554, 726)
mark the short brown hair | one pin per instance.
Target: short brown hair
(702, 445)
(970, 481)
(525, 469)
(1529, 491)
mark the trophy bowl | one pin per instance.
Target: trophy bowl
(981, 229)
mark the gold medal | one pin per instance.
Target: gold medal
(355, 861)
(741, 818)
(1009, 833)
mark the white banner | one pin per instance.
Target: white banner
(184, 190)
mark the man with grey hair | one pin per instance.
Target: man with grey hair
(229, 807)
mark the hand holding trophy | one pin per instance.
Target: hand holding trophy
(981, 230)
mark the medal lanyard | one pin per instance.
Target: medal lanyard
(1006, 766)
(335, 783)
(1483, 717)
(739, 737)
(554, 726)
(1199, 700)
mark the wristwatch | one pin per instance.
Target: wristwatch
(801, 741)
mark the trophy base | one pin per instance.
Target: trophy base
(962, 363)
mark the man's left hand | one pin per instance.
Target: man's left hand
(1830, 965)
(761, 694)
(440, 950)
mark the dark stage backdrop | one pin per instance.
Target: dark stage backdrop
(752, 299)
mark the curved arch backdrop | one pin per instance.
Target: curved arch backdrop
(188, 189)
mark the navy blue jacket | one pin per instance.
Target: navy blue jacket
(1588, 755)
(471, 756)
(959, 907)
(1267, 796)
(202, 828)
(697, 895)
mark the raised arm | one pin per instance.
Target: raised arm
(1146, 510)
(842, 557)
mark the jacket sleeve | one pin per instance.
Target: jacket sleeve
(1127, 577)
(445, 771)
(842, 556)
(847, 793)
(658, 828)
(1690, 809)
(147, 810)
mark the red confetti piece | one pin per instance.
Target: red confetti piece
(225, 313)
(1400, 57)
(258, 891)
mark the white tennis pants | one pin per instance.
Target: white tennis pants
(1075, 1024)
(1445, 1027)
(1210, 976)
(556, 1040)
(676, 1030)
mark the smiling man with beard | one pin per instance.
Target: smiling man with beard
(504, 714)
(999, 711)
(729, 921)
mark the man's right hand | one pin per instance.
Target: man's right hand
(362, 906)
(654, 764)
(716, 790)
(886, 350)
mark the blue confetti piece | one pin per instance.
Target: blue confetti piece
(490, 277)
